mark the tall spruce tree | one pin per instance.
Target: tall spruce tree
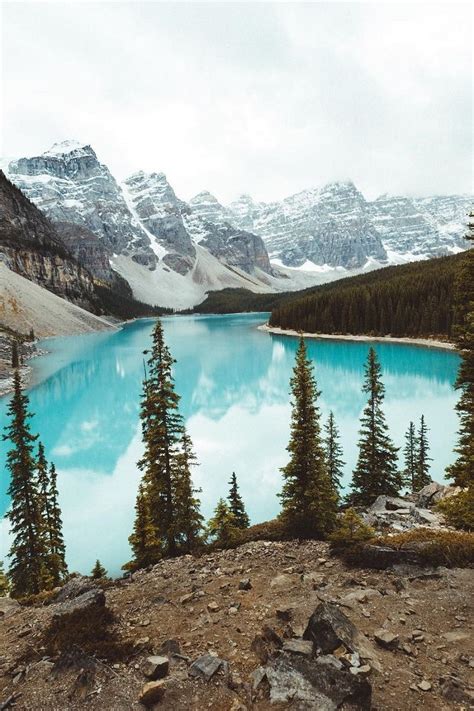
(98, 572)
(376, 472)
(236, 504)
(57, 551)
(145, 545)
(333, 452)
(422, 469)
(45, 515)
(222, 526)
(462, 471)
(309, 497)
(410, 455)
(162, 429)
(26, 553)
(189, 519)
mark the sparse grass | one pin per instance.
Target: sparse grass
(449, 548)
(458, 510)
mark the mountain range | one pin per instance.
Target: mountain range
(172, 252)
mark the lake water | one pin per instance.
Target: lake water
(233, 380)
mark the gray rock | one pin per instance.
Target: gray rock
(152, 693)
(298, 646)
(386, 639)
(93, 598)
(170, 646)
(78, 585)
(156, 667)
(206, 666)
(8, 607)
(322, 683)
(245, 584)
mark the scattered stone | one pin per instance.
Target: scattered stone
(407, 649)
(284, 582)
(361, 596)
(213, 607)
(424, 685)
(76, 586)
(156, 667)
(298, 646)
(170, 646)
(205, 666)
(365, 670)
(455, 636)
(184, 599)
(386, 639)
(152, 693)
(141, 642)
(245, 584)
(284, 613)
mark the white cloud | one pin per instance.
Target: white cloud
(266, 98)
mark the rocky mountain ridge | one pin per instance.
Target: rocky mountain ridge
(302, 240)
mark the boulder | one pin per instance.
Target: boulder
(76, 586)
(206, 666)
(170, 646)
(434, 492)
(8, 607)
(322, 683)
(93, 598)
(328, 628)
(156, 667)
(152, 693)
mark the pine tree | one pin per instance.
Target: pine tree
(236, 504)
(462, 471)
(309, 498)
(422, 469)
(4, 585)
(222, 527)
(162, 429)
(189, 522)
(26, 552)
(145, 545)
(410, 453)
(333, 452)
(57, 551)
(15, 355)
(376, 471)
(98, 572)
(45, 515)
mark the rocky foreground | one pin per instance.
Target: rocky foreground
(266, 625)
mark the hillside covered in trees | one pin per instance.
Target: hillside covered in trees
(409, 300)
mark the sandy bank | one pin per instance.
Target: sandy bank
(423, 342)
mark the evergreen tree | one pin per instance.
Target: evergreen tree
(222, 527)
(4, 585)
(26, 552)
(309, 497)
(145, 545)
(410, 454)
(462, 471)
(422, 476)
(236, 504)
(333, 452)
(45, 515)
(189, 519)
(57, 549)
(98, 572)
(376, 471)
(162, 432)
(15, 355)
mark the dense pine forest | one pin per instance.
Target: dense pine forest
(409, 300)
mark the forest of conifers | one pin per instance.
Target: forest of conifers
(409, 300)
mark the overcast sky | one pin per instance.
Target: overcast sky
(264, 98)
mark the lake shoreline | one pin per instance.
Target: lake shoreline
(421, 342)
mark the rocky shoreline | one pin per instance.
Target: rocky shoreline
(423, 342)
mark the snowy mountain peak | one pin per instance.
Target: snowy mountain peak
(64, 148)
(202, 197)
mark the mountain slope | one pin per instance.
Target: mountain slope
(24, 305)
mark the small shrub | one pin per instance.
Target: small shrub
(88, 630)
(449, 548)
(350, 530)
(458, 510)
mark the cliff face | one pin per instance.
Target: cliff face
(31, 247)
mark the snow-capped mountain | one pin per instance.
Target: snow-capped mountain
(172, 251)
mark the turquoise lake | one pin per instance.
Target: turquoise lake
(233, 381)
